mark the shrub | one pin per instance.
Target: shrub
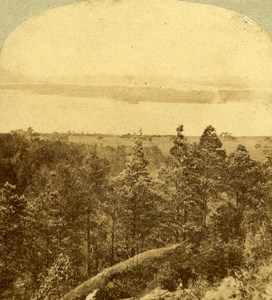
(168, 278)
(56, 281)
(127, 284)
(254, 284)
(178, 270)
(217, 259)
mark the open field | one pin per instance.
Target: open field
(259, 147)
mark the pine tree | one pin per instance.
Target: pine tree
(91, 189)
(180, 210)
(179, 145)
(138, 207)
(207, 172)
(209, 140)
(247, 184)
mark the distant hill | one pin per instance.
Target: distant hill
(137, 94)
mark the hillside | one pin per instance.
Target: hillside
(79, 218)
(103, 278)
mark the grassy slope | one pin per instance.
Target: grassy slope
(99, 280)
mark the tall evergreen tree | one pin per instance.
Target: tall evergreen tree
(138, 207)
(92, 190)
(179, 145)
(207, 171)
(247, 183)
(180, 210)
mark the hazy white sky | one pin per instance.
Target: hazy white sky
(13, 12)
(150, 43)
(169, 39)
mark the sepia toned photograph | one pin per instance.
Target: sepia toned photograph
(135, 149)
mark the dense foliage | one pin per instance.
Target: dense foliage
(69, 210)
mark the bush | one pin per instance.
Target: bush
(127, 284)
(253, 284)
(217, 259)
(56, 281)
(168, 278)
(178, 270)
(258, 246)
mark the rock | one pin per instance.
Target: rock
(91, 296)
(158, 294)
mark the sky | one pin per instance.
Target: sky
(13, 12)
(157, 43)
(223, 53)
